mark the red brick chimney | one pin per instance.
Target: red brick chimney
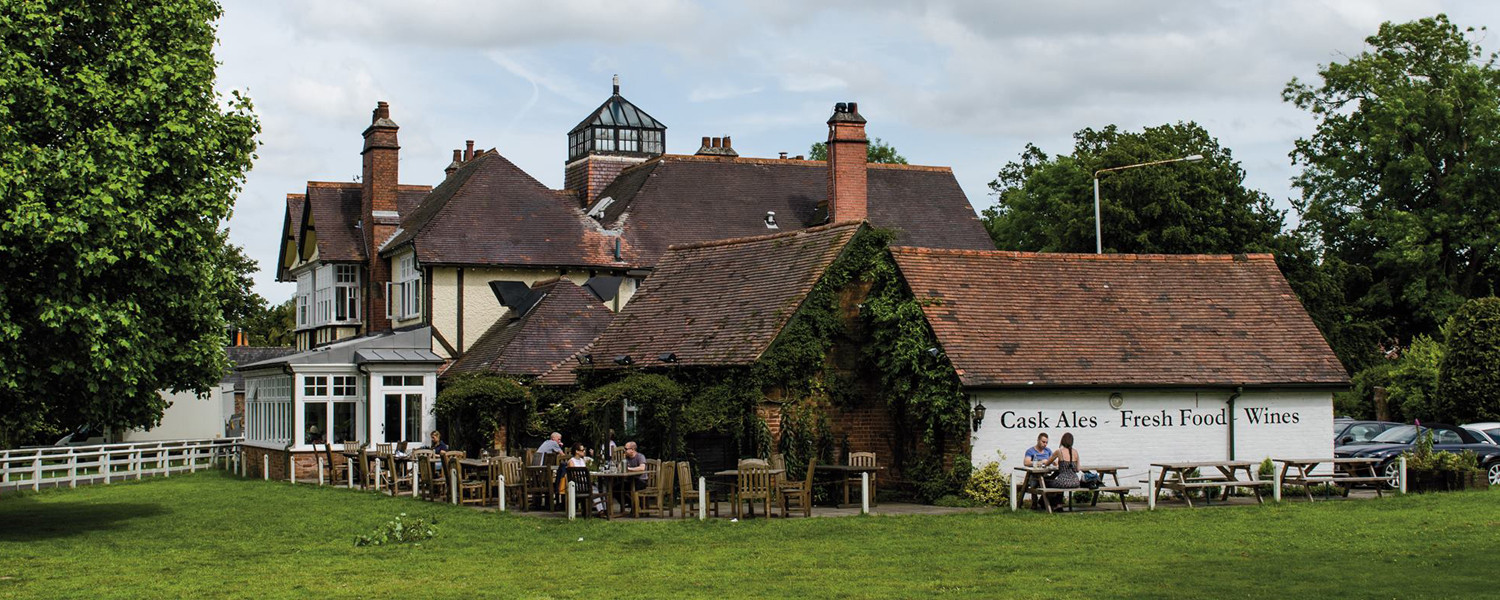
(847, 151)
(378, 217)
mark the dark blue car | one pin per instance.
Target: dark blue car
(1392, 442)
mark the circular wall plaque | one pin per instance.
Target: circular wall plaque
(1116, 400)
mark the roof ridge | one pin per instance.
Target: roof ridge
(758, 238)
(334, 184)
(1088, 256)
(787, 161)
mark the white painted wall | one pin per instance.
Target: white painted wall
(189, 417)
(1149, 426)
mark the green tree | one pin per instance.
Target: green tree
(272, 325)
(1401, 176)
(1469, 378)
(118, 163)
(877, 152)
(1046, 204)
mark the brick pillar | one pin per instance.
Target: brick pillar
(379, 219)
(847, 152)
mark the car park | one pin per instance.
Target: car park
(1348, 431)
(1389, 445)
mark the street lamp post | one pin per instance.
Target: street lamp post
(1098, 229)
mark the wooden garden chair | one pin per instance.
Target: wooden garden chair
(689, 491)
(585, 493)
(801, 492)
(860, 459)
(434, 484)
(659, 479)
(336, 471)
(754, 483)
(515, 479)
(384, 448)
(395, 480)
(470, 488)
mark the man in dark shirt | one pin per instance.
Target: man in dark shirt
(635, 461)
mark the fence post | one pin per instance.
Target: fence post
(104, 467)
(572, 502)
(502, 492)
(412, 466)
(72, 469)
(377, 474)
(1402, 475)
(1013, 491)
(320, 470)
(703, 499)
(349, 470)
(291, 467)
(452, 481)
(864, 493)
(1276, 493)
(265, 467)
(36, 471)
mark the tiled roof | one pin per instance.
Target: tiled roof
(565, 320)
(687, 199)
(721, 303)
(334, 209)
(565, 372)
(490, 212)
(291, 231)
(244, 355)
(1024, 319)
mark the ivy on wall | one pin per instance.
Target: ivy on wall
(475, 406)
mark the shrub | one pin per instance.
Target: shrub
(988, 484)
(401, 530)
(1469, 377)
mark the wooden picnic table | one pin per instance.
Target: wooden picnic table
(1298, 471)
(846, 471)
(608, 479)
(1178, 477)
(1035, 481)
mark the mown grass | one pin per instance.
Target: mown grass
(211, 535)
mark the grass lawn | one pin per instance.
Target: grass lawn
(211, 535)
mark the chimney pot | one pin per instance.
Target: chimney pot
(726, 142)
(706, 142)
(715, 142)
(382, 111)
(783, 155)
(854, 107)
(458, 155)
(468, 150)
(840, 107)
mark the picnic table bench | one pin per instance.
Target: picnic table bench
(1180, 478)
(1346, 473)
(1035, 481)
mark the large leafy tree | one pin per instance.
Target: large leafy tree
(1401, 177)
(1046, 203)
(118, 164)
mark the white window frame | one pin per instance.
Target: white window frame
(346, 293)
(404, 295)
(304, 299)
(330, 390)
(268, 409)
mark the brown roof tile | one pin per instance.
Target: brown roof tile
(334, 209)
(1018, 319)
(556, 328)
(685, 199)
(490, 212)
(723, 302)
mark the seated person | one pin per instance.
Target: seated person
(437, 443)
(635, 461)
(551, 446)
(580, 458)
(1038, 454)
(1066, 460)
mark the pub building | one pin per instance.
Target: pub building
(1143, 358)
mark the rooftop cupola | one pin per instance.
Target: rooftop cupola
(613, 137)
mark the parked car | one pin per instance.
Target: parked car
(1346, 430)
(1489, 430)
(1392, 442)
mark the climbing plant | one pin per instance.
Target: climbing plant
(474, 406)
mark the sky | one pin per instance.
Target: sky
(959, 83)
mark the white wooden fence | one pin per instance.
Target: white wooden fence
(56, 466)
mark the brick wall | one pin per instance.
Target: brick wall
(590, 175)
